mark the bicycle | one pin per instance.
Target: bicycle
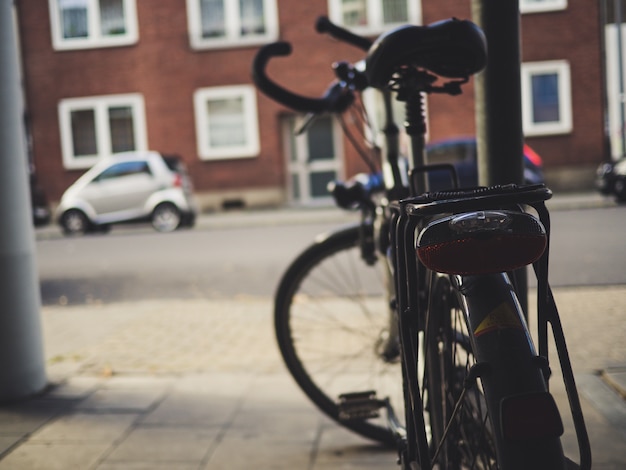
(446, 343)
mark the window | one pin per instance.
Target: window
(123, 169)
(534, 6)
(231, 23)
(373, 16)
(98, 126)
(546, 98)
(226, 122)
(83, 24)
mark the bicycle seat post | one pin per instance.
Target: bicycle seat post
(411, 86)
(415, 126)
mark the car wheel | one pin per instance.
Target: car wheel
(620, 189)
(166, 217)
(74, 222)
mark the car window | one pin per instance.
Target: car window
(123, 169)
(455, 152)
(174, 163)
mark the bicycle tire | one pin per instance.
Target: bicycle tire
(475, 437)
(448, 359)
(331, 315)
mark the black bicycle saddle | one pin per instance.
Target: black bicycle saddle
(450, 48)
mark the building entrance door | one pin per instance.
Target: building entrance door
(314, 158)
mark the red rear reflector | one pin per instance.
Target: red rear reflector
(474, 255)
(530, 416)
(178, 180)
(481, 242)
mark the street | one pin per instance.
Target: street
(138, 263)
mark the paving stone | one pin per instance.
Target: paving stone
(193, 410)
(238, 452)
(85, 427)
(74, 388)
(159, 444)
(25, 417)
(8, 441)
(148, 466)
(43, 456)
(339, 448)
(131, 394)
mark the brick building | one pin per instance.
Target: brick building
(103, 76)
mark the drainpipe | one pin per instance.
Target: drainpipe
(22, 368)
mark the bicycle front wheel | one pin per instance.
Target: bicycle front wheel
(335, 332)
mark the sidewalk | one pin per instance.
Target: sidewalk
(198, 384)
(560, 201)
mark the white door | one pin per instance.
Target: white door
(314, 159)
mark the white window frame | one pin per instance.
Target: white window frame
(95, 40)
(565, 123)
(100, 104)
(530, 6)
(252, 146)
(232, 38)
(375, 23)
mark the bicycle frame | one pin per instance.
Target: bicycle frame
(407, 213)
(411, 283)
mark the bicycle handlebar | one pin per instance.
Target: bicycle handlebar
(336, 98)
(324, 25)
(450, 48)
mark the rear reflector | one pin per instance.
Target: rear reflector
(530, 416)
(481, 242)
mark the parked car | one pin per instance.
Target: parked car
(461, 152)
(611, 179)
(129, 187)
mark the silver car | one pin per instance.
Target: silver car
(129, 187)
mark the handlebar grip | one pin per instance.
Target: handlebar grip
(324, 25)
(336, 98)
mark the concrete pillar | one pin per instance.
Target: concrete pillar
(22, 367)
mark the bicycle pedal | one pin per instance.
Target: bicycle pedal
(359, 406)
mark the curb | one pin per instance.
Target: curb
(615, 377)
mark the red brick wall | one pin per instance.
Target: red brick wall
(571, 34)
(164, 68)
(574, 35)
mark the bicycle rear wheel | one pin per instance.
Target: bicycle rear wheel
(333, 327)
(461, 437)
(478, 365)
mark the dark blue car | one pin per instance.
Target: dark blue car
(461, 152)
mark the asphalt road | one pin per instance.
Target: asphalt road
(587, 248)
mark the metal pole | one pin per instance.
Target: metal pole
(498, 94)
(499, 103)
(22, 367)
